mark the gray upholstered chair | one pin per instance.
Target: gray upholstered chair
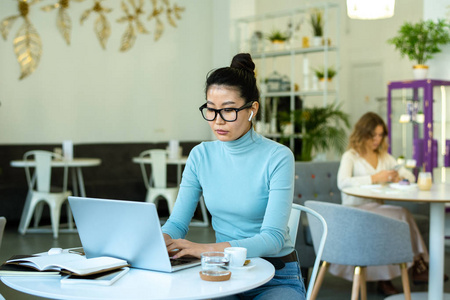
(313, 181)
(360, 238)
(316, 180)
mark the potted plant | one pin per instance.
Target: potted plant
(316, 19)
(277, 38)
(420, 41)
(323, 129)
(320, 73)
(286, 125)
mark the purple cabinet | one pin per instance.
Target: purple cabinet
(427, 158)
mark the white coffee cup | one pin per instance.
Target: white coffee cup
(238, 255)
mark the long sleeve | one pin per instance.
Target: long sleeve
(247, 185)
(356, 171)
(272, 236)
(346, 176)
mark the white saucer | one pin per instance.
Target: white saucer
(403, 187)
(250, 265)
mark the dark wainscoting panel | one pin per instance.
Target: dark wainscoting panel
(116, 178)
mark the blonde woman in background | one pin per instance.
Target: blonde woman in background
(367, 162)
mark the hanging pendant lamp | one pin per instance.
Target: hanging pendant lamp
(370, 9)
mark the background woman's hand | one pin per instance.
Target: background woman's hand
(385, 176)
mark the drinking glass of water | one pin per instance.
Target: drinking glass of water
(215, 263)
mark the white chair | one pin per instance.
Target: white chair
(41, 191)
(2, 228)
(157, 183)
(294, 221)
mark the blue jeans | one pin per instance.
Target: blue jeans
(286, 284)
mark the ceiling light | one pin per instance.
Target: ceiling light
(370, 9)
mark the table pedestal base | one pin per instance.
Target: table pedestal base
(415, 296)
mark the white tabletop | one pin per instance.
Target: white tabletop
(437, 196)
(76, 162)
(440, 192)
(170, 161)
(142, 284)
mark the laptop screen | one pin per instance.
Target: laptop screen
(128, 230)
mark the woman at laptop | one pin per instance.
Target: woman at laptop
(246, 180)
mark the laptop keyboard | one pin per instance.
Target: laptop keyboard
(183, 260)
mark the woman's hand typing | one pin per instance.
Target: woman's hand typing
(184, 247)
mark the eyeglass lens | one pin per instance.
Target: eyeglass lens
(226, 114)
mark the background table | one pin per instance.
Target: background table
(181, 161)
(75, 166)
(437, 196)
(143, 284)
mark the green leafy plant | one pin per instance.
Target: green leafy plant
(316, 19)
(277, 35)
(323, 129)
(421, 40)
(320, 72)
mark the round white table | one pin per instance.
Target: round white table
(143, 284)
(75, 164)
(437, 197)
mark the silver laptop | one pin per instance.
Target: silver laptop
(128, 230)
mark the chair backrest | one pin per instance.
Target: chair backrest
(2, 228)
(294, 220)
(43, 169)
(159, 168)
(360, 238)
(316, 181)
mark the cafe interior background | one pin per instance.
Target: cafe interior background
(113, 104)
(150, 93)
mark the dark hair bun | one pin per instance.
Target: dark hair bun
(243, 61)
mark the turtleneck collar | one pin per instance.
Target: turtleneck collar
(242, 144)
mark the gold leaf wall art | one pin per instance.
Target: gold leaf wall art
(159, 27)
(63, 21)
(170, 12)
(27, 43)
(129, 36)
(101, 26)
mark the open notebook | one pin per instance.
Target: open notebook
(128, 230)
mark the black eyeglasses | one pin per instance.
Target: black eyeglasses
(227, 114)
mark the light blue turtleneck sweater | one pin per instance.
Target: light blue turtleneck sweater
(248, 189)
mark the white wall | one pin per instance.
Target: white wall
(440, 64)
(152, 92)
(86, 94)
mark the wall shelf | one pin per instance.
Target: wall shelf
(294, 62)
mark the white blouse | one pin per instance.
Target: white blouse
(355, 171)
